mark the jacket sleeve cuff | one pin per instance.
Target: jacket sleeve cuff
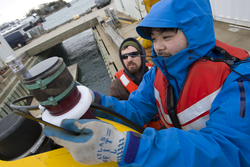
(131, 148)
(97, 99)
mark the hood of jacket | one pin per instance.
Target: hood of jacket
(194, 18)
(144, 69)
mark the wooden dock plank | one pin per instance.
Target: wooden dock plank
(111, 47)
(55, 37)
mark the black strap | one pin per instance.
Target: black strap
(170, 107)
(228, 58)
(97, 101)
(223, 51)
(97, 98)
(229, 62)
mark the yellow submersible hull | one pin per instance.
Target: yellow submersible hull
(59, 157)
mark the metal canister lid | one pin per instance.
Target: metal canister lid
(42, 68)
(9, 124)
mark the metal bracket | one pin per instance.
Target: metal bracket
(51, 101)
(41, 84)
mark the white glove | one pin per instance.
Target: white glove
(98, 141)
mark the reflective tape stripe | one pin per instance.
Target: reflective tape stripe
(124, 80)
(165, 118)
(198, 108)
(198, 124)
(190, 113)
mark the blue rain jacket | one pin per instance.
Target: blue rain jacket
(225, 141)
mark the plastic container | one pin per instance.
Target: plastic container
(17, 67)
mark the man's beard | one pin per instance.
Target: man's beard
(133, 70)
(164, 54)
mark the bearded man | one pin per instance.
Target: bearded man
(128, 79)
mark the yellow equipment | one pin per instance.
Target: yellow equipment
(148, 4)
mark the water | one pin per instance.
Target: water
(67, 13)
(81, 49)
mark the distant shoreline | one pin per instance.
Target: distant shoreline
(54, 11)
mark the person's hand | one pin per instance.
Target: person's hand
(98, 141)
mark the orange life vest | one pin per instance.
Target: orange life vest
(131, 86)
(126, 81)
(204, 82)
(149, 65)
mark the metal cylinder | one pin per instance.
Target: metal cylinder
(53, 86)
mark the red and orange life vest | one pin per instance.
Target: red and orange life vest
(131, 86)
(204, 82)
(126, 81)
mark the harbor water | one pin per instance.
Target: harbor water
(77, 8)
(81, 49)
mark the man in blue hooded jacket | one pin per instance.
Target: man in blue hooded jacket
(199, 86)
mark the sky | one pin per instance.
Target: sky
(11, 10)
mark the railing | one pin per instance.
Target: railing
(18, 90)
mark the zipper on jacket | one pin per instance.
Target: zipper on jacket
(164, 71)
(176, 83)
(183, 86)
(166, 74)
(171, 107)
(242, 97)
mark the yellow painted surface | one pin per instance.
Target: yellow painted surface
(148, 4)
(128, 22)
(59, 157)
(146, 43)
(139, 39)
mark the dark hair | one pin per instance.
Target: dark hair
(148, 30)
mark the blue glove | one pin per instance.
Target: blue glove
(98, 141)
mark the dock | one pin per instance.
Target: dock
(108, 43)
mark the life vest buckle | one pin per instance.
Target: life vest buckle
(229, 62)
